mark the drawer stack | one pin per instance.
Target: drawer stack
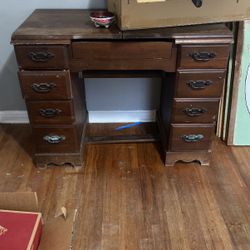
(55, 103)
(201, 72)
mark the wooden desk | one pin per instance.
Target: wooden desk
(53, 46)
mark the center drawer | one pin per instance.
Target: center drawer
(129, 55)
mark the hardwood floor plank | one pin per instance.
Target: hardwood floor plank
(127, 199)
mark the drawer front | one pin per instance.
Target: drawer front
(190, 137)
(195, 110)
(42, 57)
(197, 83)
(127, 55)
(45, 84)
(56, 140)
(202, 56)
(51, 112)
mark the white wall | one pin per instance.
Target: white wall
(102, 94)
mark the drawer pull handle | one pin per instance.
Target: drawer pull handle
(202, 56)
(49, 113)
(194, 111)
(54, 139)
(193, 138)
(41, 56)
(43, 87)
(197, 3)
(199, 84)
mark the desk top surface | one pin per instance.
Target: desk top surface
(74, 24)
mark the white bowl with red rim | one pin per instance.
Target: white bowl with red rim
(102, 18)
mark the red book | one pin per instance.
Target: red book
(20, 230)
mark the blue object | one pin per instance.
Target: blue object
(128, 126)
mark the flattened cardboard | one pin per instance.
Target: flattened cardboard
(57, 232)
(21, 201)
(138, 14)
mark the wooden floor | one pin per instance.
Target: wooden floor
(127, 199)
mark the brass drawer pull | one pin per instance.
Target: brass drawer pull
(40, 56)
(43, 87)
(194, 111)
(199, 84)
(202, 56)
(49, 112)
(193, 137)
(54, 139)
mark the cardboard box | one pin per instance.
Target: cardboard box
(142, 14)
(57, 232)
(20, 230)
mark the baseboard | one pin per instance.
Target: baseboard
(122, 116)
(14, 116)
(94, 116)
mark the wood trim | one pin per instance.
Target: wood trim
(37, 42)
(204, 41)
(203, 157)
(236, 83)
(121, 139)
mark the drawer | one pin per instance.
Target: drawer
(127, 55)
(42, 57)
(194, 110)
(51, 112)
(199, 83)
(203, 56)
(189, 137)
(45, 84)
(64, 139)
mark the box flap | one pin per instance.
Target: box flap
(19, 201)
(57, 233)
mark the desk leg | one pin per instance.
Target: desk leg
(164, 119)
(71, 152)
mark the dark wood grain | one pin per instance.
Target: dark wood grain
(177, 131)
(126, 199)
(66, 39)
(184, 110)
(51, 112)
(58, 60)
(65, 24)
(203, 157)
(220, 60)
(124, 63)
(120, 139)
(183, 89)
(62, 24)
(122, 50)
(60, 79)
(71, 149)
